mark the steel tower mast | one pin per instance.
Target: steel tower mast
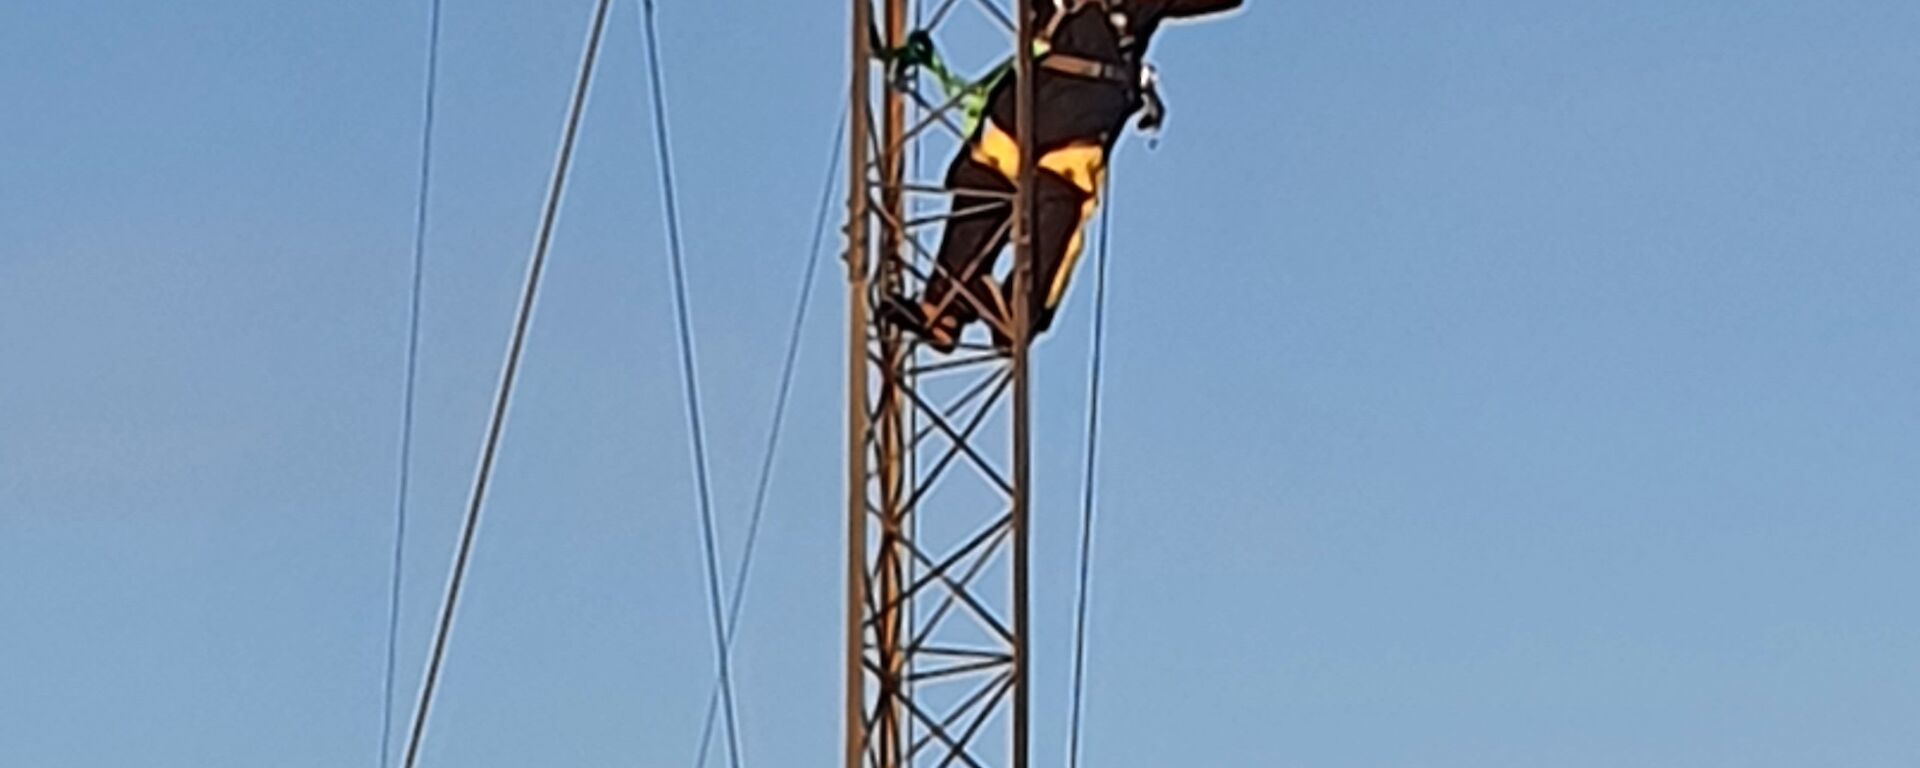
(938, 459)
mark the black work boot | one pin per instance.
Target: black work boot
(940, 333)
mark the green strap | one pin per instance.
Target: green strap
(970, 95)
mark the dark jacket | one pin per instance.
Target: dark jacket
(1071, 109)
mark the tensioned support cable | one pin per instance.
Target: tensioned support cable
(669, 193)
(504, 394)
(405, 470)
(764, 484)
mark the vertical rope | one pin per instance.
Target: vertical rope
(1087, 486)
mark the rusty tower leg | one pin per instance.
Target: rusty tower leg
(938, 458)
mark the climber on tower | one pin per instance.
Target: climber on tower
(1090, 78)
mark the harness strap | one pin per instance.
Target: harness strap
(971, 96)
(1061, 10)
(1080, 66)
(1066, 8)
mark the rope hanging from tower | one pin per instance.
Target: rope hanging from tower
(1096, 369)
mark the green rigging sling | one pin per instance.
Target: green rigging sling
(970, 96)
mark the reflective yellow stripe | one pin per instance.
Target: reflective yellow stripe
(1080, 164)
(1074, 247)
(998, 151)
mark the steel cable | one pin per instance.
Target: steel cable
(405, 471)
(764, 484)
(669, 193)
(508, 372)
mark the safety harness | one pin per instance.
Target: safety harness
(1153, 111)
(1079, 66)
(971, 95)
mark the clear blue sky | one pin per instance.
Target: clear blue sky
(1493, 383)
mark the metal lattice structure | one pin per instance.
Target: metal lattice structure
(938, 457)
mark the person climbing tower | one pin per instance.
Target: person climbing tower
(1090, 78)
